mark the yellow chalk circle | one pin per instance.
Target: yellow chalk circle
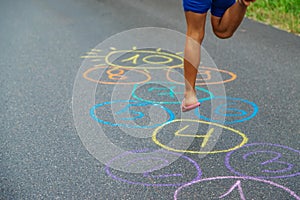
(205, 137)
(143, 59)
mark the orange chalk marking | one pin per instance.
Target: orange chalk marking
(207, 74)
(118, 78)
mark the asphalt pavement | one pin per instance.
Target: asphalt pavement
(91, 105)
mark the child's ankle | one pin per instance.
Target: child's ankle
(189, 93)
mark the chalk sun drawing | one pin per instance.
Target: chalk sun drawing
(146, 58)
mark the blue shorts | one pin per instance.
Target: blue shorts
(217, 7)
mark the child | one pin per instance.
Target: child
(225, 19)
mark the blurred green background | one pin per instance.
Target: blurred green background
(284, 14)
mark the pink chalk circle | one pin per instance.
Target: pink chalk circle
(162, 180)
(290, 192)
(285, 170)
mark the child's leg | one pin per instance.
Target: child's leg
(194, 37)
(224, 26)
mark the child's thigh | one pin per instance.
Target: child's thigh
(197, 6)
(218, 7)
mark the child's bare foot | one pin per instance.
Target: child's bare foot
(189, 102)
(190, 98)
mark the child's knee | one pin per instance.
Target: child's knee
(224, 35)
(196, 35)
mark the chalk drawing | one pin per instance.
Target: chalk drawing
(159, 175)
(276, 165)
(292, 194)
(204, 138)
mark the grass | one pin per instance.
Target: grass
(284, 14)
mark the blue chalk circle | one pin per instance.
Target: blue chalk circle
(138, 115)
(235, 110)
(166, 93)
(129, 109)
